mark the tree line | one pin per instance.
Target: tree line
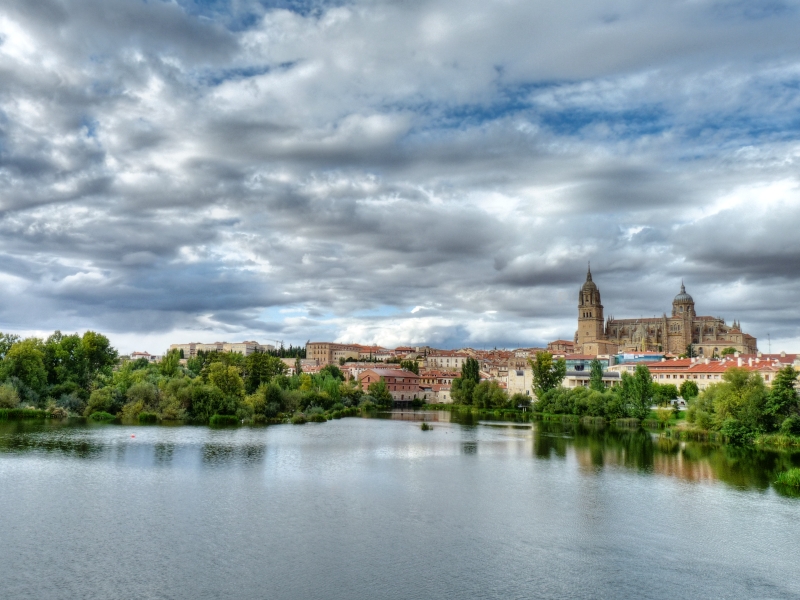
(81, 376)
(740, 407)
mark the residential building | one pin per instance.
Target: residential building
(402, 384)
(446, 359)
(245, 348)
(329, 353)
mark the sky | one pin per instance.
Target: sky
(398, 172)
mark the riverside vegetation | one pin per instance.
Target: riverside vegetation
(72, 375)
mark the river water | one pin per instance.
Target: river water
(377, 508)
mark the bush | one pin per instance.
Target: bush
(790, 478)
(223, 420)
(102, 416)
(317, 418)
(425, 427)
(56, 412)
(22, 413)
(736, 432)
(9, 398)
(791, 425)
(148, 417)
(703, 419)
(72, 402)
(299, 419)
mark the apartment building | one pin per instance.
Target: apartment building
(328, 353)
(245, 348)
(403, 385)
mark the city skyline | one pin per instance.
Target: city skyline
(393, 174)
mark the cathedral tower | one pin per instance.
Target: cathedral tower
(682, 322)
(590, 313)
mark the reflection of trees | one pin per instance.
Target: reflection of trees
(35, 436)
(224, 454)
(748, 468)
(163, 453)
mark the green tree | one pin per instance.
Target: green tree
(470, 369)
(728, 351)
(664, 394)
(410, 365)
(332, 371)
(25, 361)
(6, 341)
(547, 373)
(637, 392)
(380, 391)
(100, 357)
(261, 368)
(64, 359)
(782, 399)
(461, 390)
(100, 400)
(596, 377)
(741, 397)
(226, 379)
(690, 351)
(9, 398)
(208, 400)
(170, 363)
(689, 390)
(489, 394)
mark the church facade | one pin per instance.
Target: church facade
(708, 336)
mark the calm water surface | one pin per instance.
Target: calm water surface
(376, 508)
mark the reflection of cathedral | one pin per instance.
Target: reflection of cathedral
(708, 335)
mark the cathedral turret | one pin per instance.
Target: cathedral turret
(683, 304)
(590, 312)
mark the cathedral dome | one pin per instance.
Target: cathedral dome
(683, 297)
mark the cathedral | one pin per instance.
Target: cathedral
(669, 334)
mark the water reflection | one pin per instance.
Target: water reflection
(593, 449)
(607, 447)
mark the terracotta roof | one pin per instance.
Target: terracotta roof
(391, 372)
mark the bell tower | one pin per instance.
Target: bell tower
(590, 313)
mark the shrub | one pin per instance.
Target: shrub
(102, 416)
(317, 418)
(299, 419)
(22, 413)
(791, 425)
(736, 432)
(790, 478)
(148, 417)
(56, 412)
(223, 420)
(9, 398)
(703, 419)
(425, 427)
(72, 402)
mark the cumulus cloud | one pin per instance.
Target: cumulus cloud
(394, 172)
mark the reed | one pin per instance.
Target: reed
(223, 420)
(790, 478)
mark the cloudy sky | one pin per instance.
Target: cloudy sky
(395, 172)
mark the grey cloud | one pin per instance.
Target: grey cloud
(162, 170)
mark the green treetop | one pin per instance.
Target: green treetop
(547, 373)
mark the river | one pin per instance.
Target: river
(376, 508)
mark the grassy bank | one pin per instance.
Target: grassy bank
(24, 413)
